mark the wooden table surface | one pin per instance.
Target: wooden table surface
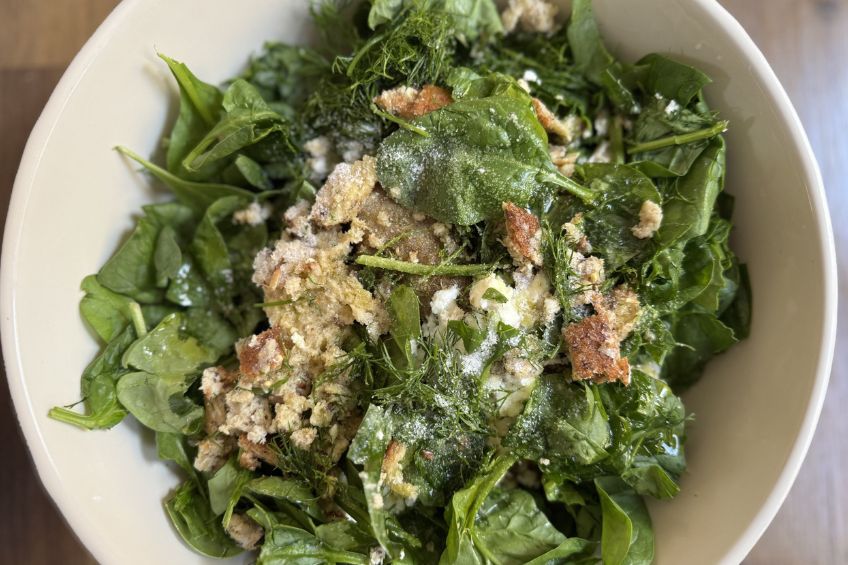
(806, 42)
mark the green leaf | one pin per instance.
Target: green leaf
(671, 79)
(247, 120)
(511, 529)
(286, 490)
(621, 192)
(174, 447)
(225, 488)
(383, 11)
(367, 449)
(494, 295)
(564, 423)
(107, 312)
(473, 18)
(590, 55)
(200, 108)
(167, 350)
(285, 545)
(462, 512)
(471, 337)
(345, 535)
(689, 205)
(159, 402)
(737, 316)
(627, 537)
(479, 153)
(197, 195)
(190, 513)
(167, 257)
(98, 383)
(700, 337)
(130, 271)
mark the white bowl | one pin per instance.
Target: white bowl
(74, 198)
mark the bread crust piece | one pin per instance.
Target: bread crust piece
(523, 235)
(409, 103)
(593, 347)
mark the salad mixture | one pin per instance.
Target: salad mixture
(425, 294)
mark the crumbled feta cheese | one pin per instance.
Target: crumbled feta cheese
(254, 215)
(531, 76)
(321, 158)
(672, 107)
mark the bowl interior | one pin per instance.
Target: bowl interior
(75, 198)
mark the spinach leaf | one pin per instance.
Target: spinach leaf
(246, 170)
(190, 513)
(700, 337)
(590, 54)
(346, 536)
(200, 108)
(167, 350)
(197, 195)
(563, 423)
(285, 545)
(167, 257)
(287, 490)
(247, 120)
(406, 321)
(627, 536)
(477, 154)
(737, 315)
(159, 402)
(130, 271)
(473, 18)
(225, 487)
(510, 529)
(621, 191)
(174, 447)
(107, 312)
(98, 383)
(367, 449)
(690, 200)
(671, 79)
(471, 337)
(462, 512)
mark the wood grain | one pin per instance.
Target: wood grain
(806, 41)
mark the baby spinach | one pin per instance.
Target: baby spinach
(167, 350)
(190, 513)
(99, 381)
(479, 153)
(174, 447)
(690, 199)
(200, 108)
(563, 423)
(285, 545)
(247, 120)
(159, 402)
(627, 536)
(107, 312)
(671, 79)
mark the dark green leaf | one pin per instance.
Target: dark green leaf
(159, 402)
(285, 545)
(627, 537)
(167, 350)
(190, 513)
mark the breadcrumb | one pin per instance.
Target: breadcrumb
(408, 103)
(530, 15)
(346, 189)
(523, 235)
(650, 219)
(566, 130)
(245, 531)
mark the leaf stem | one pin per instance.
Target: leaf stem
(681, 139)
(446, 269)
(402, 123)
(587, 195)
(137, 318)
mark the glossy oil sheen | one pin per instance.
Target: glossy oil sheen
(74, 199)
